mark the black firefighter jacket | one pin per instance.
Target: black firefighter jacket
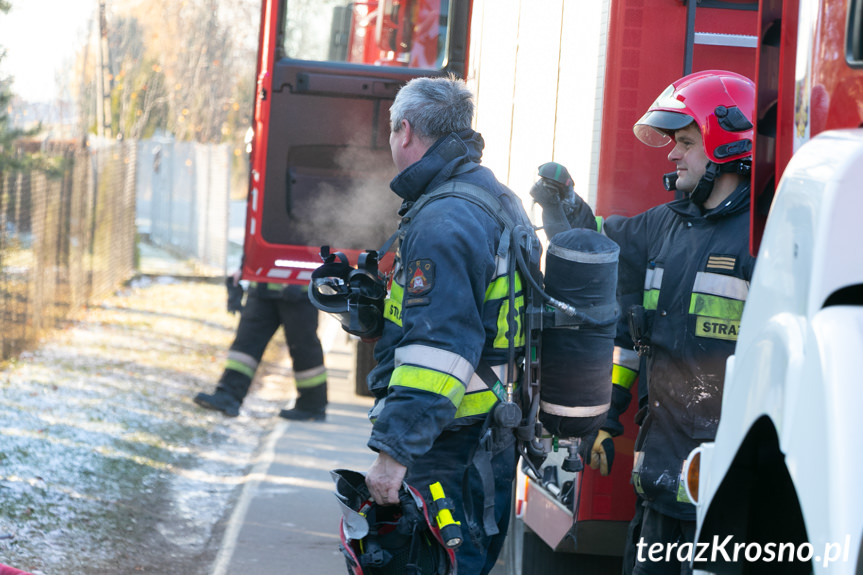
(691, 272)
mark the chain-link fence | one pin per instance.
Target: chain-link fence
(64, 240)
(70, 239)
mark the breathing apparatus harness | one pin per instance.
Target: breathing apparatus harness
(353, 294)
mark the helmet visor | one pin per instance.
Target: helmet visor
(656, 127)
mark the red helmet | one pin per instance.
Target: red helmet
(721, 103)
(388, 539)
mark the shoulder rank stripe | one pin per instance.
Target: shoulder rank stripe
(721, 262)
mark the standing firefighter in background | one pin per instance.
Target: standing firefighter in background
(268, 306)
(688, 264)
(445, 317)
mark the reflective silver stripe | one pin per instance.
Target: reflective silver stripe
(501, 265)
(310, 373)
(477, 384)
(243, 358)
(583, 257)
(627, 358)
(436, 359)
(579, 411)
(721, 285)
(653, 279)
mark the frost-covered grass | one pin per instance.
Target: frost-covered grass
(106, 465)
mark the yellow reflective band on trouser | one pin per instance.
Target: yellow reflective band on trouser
(235, 365)
(241, 362)
(310, 377)
(428, 380)
(393, 304)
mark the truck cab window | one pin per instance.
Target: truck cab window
(398, 33)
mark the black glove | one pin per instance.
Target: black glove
(546, 193)
(548, 197)
(235, 295)
(562, 208)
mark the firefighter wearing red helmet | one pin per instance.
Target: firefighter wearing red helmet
(683, 278)
(719, 106)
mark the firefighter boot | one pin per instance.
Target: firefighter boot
(310, 405)
(229, 394)
(220, 400)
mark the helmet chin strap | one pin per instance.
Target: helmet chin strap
(704, 187)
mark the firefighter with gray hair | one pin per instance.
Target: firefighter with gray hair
(446, 314)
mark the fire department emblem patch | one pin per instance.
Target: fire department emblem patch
(420, 277)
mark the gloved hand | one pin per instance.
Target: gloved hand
(602, 452)
(553, 217)
(562, 208)
(546, 194)
(235, 293)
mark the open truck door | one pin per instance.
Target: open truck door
(328, 71)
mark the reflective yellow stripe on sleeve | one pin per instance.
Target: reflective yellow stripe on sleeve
(476, 403)
(428, 380)
(479, 399)
(441, 360)
(625, 367)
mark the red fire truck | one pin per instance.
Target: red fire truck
(558, 80)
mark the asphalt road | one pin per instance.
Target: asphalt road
(286, 519)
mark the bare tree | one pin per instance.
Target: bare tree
(184, 67)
